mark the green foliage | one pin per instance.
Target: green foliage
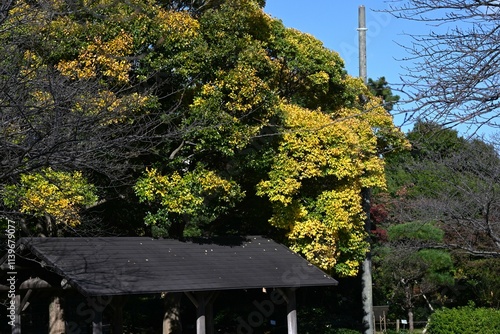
(437, 197)
(344, 331)
(54, 193)
(430, 141)
(380, 88)
(233, 109)
(274, 111)
(439, 266)
(465, 320)
(417, 231)
(420, 171)
(480, 281)
(192, 198)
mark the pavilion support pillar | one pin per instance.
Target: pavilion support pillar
(204, 310)
(56, 315)
(172, 318)
(97, 322)
(117, 307)
(209, 319)
(16, 329)
(291, 309)
(98, 304)
(201, 327)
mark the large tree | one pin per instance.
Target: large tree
(454, 78)
(449, 184)
(225, 118)
(284, 124)
(92, 88)
(452, 180)
(222, 119)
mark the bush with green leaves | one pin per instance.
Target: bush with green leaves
(465, 320)
(345, 331)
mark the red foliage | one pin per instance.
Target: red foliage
(379, 234)
(378, 213)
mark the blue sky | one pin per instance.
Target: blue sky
(335, 23)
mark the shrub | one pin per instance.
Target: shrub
(345, 331)
(465, 320)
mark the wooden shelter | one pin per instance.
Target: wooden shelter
(110, 267)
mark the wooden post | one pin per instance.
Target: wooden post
(198, 300)
(56, 316)
(16, 329)
(397, 325)
(97, 322)
(209, 315)
(171, 319)
(117, 308)
(201, 327)
(291, 308)
(204, 309)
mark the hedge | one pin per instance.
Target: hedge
(465, 320)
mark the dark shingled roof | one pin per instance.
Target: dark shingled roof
(139, 265)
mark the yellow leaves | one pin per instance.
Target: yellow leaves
(176, 27)
(114, 109)
(316, 180)
(243, 90)
(57, 194)
(316, 242)
(105, 57)
(42, 99)
(199, 193)
(279, 189)
(319, 78)
(315, 145)
(31, 63)
(341, 207)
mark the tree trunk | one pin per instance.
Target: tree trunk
(410, 320)
(366, 272)
(172, 320)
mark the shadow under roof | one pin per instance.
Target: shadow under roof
(140, 265)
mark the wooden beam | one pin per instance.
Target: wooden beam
(25, 301)
(209, 312)
(34, 283)
(198, 300)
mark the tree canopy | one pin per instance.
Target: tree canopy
(442, 202)
(209, 117)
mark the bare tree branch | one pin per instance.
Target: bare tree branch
(455, 77)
